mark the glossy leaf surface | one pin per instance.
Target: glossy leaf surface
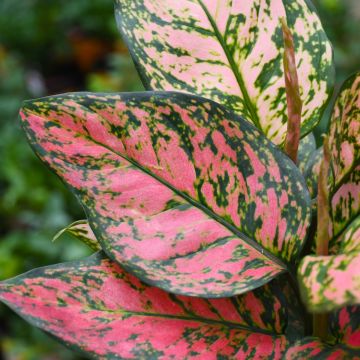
(82, 231)
(94, 306)
(231, 52)
(179, 190)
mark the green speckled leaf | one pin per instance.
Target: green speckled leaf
(231, 51)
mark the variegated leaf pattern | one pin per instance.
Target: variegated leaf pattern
(344, 327)
(330, 282)
(307, 147)
(82, 231)
(119, 317)
(179, 190)
(344, 141)
(230, 51)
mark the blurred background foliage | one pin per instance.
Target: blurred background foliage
(54, 46)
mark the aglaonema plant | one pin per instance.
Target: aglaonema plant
(217, 233)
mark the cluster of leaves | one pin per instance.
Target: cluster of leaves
(199, 216)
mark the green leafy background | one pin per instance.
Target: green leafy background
(42, 47)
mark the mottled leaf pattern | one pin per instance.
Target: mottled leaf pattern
(330, 282)
(82, 231)
(345, 146)
(307, 147)
(179, 190)
(230, 51)
(94, 306)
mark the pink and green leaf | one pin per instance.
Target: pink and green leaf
(95, 306)
(182, 192)
(231, 52)
(345, 146)
(82, 231)
(330, 282)
(345, 330)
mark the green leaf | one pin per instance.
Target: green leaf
(307, 148)
(231, 52)
(82, 231)
(179, 190)
(96, 307)
(311, 171)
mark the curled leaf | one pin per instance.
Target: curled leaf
(293, 99)
(82, 231)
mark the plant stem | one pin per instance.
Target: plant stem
(321, 325)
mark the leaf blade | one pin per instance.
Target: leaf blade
(217, 51)
(115, 150)
(122, 313)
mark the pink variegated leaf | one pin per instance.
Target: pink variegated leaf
(96, 307)
(344, 141)
(345, 330)
(330, 282)
(231, 52)
(179, 190)
(82, 231)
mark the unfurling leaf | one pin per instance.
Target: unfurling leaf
(82, 231)
(179, 190)
(94, 306)
(312, 170)
(231, 52)
(293, 99)
(331, 282)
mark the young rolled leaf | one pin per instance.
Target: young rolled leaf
(330, 282)
(94, 306)
(231, 52)
(82, 231)
(293, 98)
(182, 192)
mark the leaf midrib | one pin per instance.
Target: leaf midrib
(191, 317)
(248, 103)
